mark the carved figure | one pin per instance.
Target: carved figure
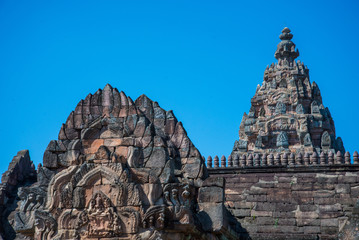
(280, 108)
(307, 141)
(100, 217)
(326, 140)
(282, 140)
(315, 108)
(299, 109)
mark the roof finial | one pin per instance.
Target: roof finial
(286, 35)
(286, 52)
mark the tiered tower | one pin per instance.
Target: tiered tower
(287, 113)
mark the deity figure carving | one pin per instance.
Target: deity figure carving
(282, 140)
(101, 217)
(326, 140)
(315, 108)
(307, 141)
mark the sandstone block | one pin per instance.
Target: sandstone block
(308, 208)
(285, 207)
(50, 159)
(283, 214)
(241, 212)
(213, 181)
(210, 194)
(255, 213)
(264, 206)
(302, 187)
(329, 222)
(330, 208)
(354, 192)
(329, 230)
(323, 194)
(256, 198)
(244, 204)
(212, 216)
(257, 190)
(311, 229)
(192, 169)
(248, 179)
(158, 158)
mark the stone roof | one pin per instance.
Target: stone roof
(123, 169)
(287, 113)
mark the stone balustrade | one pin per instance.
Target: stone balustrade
(249, 160)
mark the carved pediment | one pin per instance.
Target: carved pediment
(100, 218)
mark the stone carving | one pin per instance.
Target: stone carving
(120, 169)
(307, 141)
(280, 123)
(262, 112)
(45, 226)
(326, 140)
(124, 169)
(285, 102)
(240, 145)
(299, 109)
(280, 108)
(31, 199)
(315, 108)
(282, 140)
(100, 217)
(178, 198)
(259, 141)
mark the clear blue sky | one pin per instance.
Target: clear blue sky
(202, 59)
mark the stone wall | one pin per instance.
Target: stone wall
(298, 202)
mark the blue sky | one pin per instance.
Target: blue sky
(202, 59)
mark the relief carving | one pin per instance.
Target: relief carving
(307, 142)
(282, 140)
(31, 199)
(326, 140)
(280, 108)
(281, 124)
(100, 217)
(178, 198)
(45, 226)
(299, 109)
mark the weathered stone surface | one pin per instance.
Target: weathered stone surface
(287, 110)
(127, 170)
(214, 181)
(50, 159)
(158, 158)
(211, 194)
(21, 172)
(212, 216)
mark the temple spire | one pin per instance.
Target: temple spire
(286, 52)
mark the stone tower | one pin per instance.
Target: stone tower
(120, 169)
(287, 112)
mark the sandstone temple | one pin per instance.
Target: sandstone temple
(126, 170)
